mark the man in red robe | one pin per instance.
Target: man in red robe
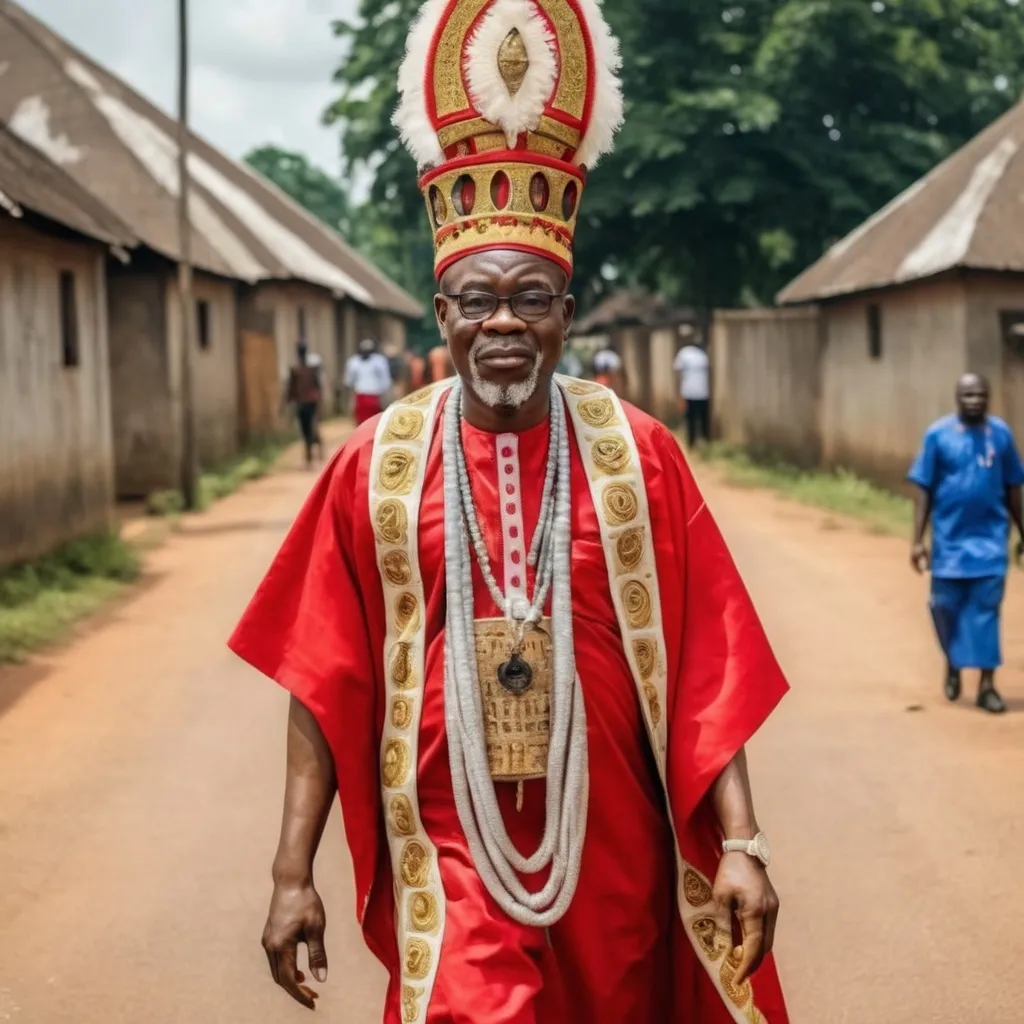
(672, 846)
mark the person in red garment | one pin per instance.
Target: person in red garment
(518, 649)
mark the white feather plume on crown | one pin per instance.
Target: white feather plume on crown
(488, 91)
(411, 118)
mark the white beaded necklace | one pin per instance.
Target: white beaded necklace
(496, 858)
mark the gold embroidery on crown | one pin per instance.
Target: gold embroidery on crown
(395, 767)
(410, 1004)
(423, 911)
(403, 820)
(398, 471)
(401, 713)
(415, 864)
(392, 521)
(611, 454)
(404, 425)
(636, 599)
(630, 548)
(620, 504)
(513, 62)
(597, 412)
(396, 568)
(417, 959)
(696, 889)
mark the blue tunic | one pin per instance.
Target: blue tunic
(967, 470)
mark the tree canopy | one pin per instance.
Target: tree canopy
(756, 133)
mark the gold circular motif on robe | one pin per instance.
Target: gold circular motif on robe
(407, 612)
(392, 522)
(395, 763)
(653, 702)
(423, 911)
(646, 654)
(401, 665)
(403, 820)
(581, 387)
(404, 425)
(410, 1004)
(697, 890)
(611, 454)
(739, 994)
(712, 940)
(396, 567)
(417, 959)
(637, 601)
(597, 412)
(630, 548)
(415, 864)
(620, 504)
(401, 713)
(420, 397)
(397, 474)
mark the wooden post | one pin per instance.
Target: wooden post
(189, 459)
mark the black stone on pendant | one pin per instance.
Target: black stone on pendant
(515, 675)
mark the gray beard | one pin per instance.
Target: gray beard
(509, 396)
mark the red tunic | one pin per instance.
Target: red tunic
(317, 626)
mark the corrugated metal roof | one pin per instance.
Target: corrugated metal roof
(123, 150)
(31, 181)
(968, 212)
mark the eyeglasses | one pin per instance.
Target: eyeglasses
(529, 306)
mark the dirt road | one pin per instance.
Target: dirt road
(141, 781)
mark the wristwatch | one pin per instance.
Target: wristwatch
(757, 848)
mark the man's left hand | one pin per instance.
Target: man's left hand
(742, 887)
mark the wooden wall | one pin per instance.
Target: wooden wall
(56, 447)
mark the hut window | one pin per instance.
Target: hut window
(1012, 329)
(68, 319)
(303, 336)
(875, 331)
(203, 324)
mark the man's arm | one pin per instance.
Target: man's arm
(1014, 504)
(296, 910)
(919, 557)
(742, 884)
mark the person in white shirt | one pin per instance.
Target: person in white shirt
(694, 371)
(368, 374)
(608, 368)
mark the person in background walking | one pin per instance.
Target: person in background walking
(694, 368)
(608, 368)
(969, 475)
(570, 363)
(305, 389)
(368, 374)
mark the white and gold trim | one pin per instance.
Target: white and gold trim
(397, 469)
(617, 486)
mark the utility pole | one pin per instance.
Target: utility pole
(189, 459)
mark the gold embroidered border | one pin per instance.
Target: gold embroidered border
(397, 469)
(617, 486)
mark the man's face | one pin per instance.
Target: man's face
(506, 353)
(972, 399)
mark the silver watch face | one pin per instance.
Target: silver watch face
(763, 850)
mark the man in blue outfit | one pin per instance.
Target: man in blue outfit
(969, 475)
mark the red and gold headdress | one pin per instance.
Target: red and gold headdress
(505, 104)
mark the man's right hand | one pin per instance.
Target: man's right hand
(296, 916)
(919, 558)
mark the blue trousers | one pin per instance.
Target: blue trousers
(966, 617)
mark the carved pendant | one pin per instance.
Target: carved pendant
(515, 675)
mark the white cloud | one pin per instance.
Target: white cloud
(261, 69)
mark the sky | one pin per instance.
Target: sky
(261, 69)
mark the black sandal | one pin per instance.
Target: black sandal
(953, 685)
(990, 701)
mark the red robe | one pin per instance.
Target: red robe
(317, 626)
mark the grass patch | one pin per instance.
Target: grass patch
(882, 511)
(40, 600)
(219, 483)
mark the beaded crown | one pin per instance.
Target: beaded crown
(505, 104)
